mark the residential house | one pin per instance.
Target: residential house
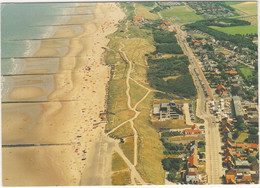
(192, 176)
(230, 176)
(242, 164)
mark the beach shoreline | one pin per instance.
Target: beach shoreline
(69, 119)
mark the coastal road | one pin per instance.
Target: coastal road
(213, 159)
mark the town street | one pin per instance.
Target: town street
(213, 145)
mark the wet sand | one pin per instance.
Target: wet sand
(66, 114)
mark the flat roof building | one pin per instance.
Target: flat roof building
(237, 107)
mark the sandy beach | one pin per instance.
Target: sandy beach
(49, 129)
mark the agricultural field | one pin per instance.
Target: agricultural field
(181, 14)
(142, 10)
(252, 19)
(249, 8)
(233, 3)
(248, 29)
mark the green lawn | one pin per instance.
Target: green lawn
(183, 14)
(248, 29)
(242, 137)
(246, 71)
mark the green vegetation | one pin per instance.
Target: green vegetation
(145, 11)
(172, 165)
(249, 29)
(196, 118)
(182, 14)
(245, 71)
(170, 124)
(166, 42)
(148, 4)
(238, 39)
(150, 149)
(242, 137)
(171, 147)
(121, 178)
(161, 68)
(118, 163)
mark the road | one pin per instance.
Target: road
(213, 158)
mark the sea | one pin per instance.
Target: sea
(22, 27)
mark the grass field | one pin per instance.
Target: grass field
(252, 19)
(128, 148)
(136, 92)
(182, 13)
(242, 137)
(150, 149)
(118, 163)
(121, 178)
(170, 124)
(245, 71)
(144, 11)
(249, 8)
(248, 29)
(123, 131)
(180, 138)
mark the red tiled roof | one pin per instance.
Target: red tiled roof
(221, 87)
(193, 160)
(191, 131)
(254, 146)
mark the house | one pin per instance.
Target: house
(242, 164)
(228, 137)
(168, 111)
(193, 131)
(254, 146)
(192, 176)
(230, 176)
(238, 111)
(193, 161)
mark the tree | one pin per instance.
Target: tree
(251, 158)
(253, 130)
(171, 176)
(236, 134)
(166, 164)
(201, 143)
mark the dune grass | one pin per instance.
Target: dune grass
(150, 149)
(123, 131)
(128, 148)
(118, 163)
(121, 178)
(136, 92)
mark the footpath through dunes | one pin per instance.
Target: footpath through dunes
(73, 104)
(129, 103)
